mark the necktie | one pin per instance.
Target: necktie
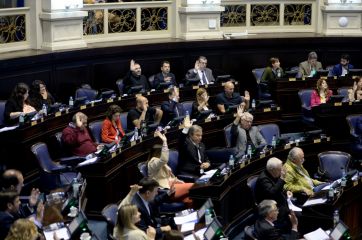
(176, 109)
(204, 80)
(248, 139)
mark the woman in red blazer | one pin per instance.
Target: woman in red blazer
(321, 94)
(112, 130)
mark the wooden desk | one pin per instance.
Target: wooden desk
(285, 92)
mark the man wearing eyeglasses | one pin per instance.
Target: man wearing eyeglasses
(201, 72)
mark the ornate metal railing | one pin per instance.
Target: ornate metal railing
(151, 19)
(265, 16)
(13, 25)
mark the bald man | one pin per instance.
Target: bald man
(13, 180)
(230, 98)
(142, 112)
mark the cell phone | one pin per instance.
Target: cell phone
(41, 197)
(160, 129)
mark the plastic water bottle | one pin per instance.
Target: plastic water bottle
(187, 116)
(71, 102)
(344, 179)
(274, 141)
(335, 217)
(21, 119)
(279, 73)
(144, 129)
(231, 161)
(45, 110)
(249, 151)
(331, 193)
(208, 217)
(135, 135)
(253, 104)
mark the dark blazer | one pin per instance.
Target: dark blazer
(6, 220)
(337, 69)
(150, 219)
(268, 187)
(191, 74)
(189, 159)
(264, 231)
(169, 111)
(11, 106)
(159, 78)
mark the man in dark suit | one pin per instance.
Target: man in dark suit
(193, 159)
(269, 185)
(343, 67)
(13, 180)
(165, 76)
(9, 211)
(146, 197)
(134, 78)
(172, 108)
(264, 227)
(201, 72)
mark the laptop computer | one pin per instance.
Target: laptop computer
(214, 230)
(338, 231)
(69, 231)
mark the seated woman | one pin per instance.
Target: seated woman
(355, 93)
(112, 130)
(24, 229)
(273, 71)
(321, 94)
(128, 216)
(201, 104)
(162, 173)
(17, 104)
(39, 95)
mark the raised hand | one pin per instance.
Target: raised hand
(131, 66)
(240, 111)
(197, 65)
(161, 136)
(246, 96)
(34, 195)
(187, 123)
(134, 189)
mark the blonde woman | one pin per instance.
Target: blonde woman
(22, 229)
(201, 104)
(125, 229)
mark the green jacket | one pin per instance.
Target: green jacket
(268, 74)
(295, 181)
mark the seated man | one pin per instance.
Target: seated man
(9, 211)
(269, 185)
(193, 159)
(134, 78)
(165, 75)
(273, 71)
(297, 179)
(244, 134)
(145, 196)
(201, 72)
(343, 67)
(142, 112)
(77, 138)
(172, 108)
(310, 67)
(13, 180)
(230, 98)
(264, 227)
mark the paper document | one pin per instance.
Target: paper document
(62, 233)
(192, 217)
(292, 206)
(199, 233)
(210, 172)
(336, 182)
(314, 201)
(88, 161)
(4, 129)
(187, 227)
(318, 234)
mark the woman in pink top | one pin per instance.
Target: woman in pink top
(321, 94)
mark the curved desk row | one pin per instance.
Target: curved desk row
(15, 144)
(111, 177)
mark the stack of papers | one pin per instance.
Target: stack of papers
(314, 201)
(318, 234)
(187, 222)
(208, 174)
(292, 206)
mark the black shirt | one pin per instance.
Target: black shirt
(131, 80)
(134, 114)
(222, 99)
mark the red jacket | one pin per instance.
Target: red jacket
(315, 100)
(79, 141)
(109, 132)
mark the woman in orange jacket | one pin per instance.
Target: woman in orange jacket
(112, 130)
